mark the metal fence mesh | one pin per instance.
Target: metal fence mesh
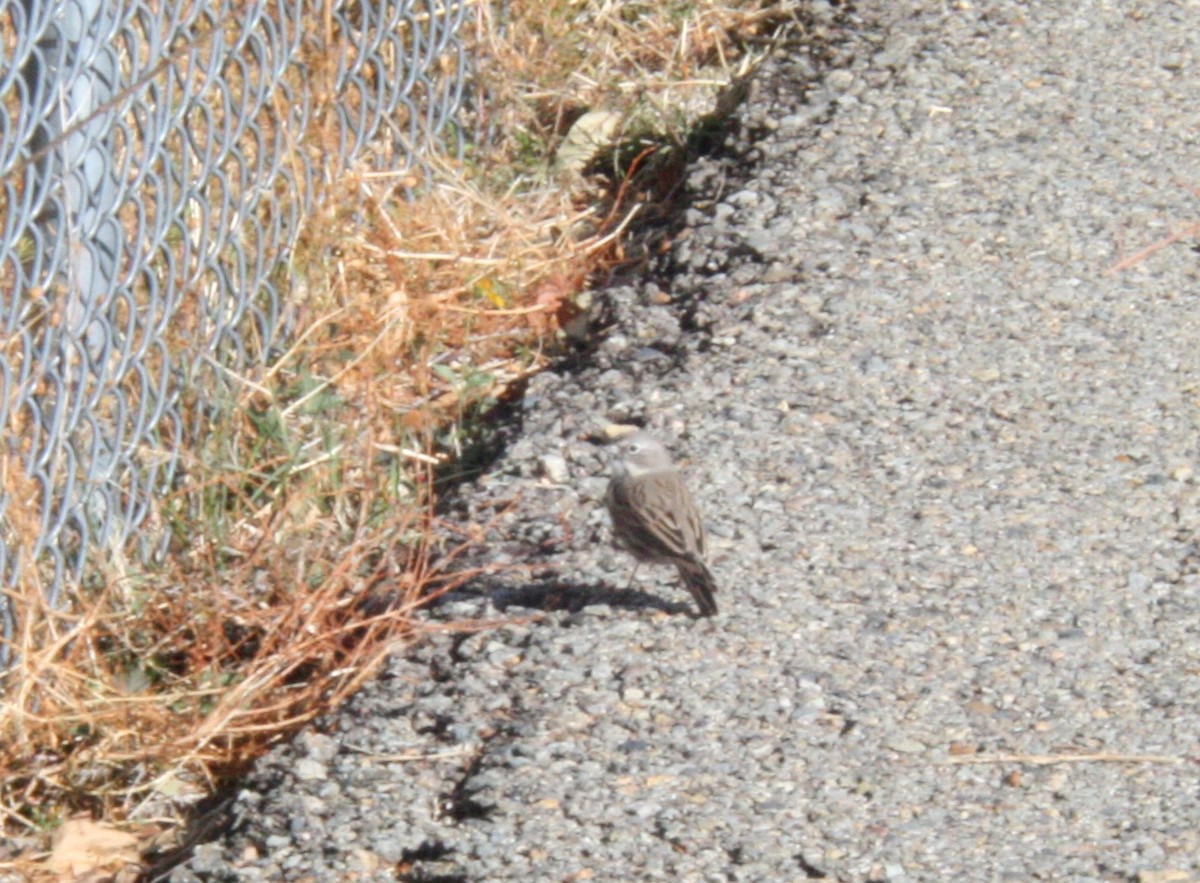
(157, 158)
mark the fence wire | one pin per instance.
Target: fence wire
(157, 158)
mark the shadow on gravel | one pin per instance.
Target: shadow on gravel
(576, 597)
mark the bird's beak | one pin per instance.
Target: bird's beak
(614, 432)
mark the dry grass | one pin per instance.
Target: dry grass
(304, 533)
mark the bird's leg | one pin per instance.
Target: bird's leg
(633, 576)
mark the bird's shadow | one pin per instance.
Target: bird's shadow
(572, 596)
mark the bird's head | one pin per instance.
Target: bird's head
(642, 453)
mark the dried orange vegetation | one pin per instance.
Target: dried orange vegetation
(303, 529)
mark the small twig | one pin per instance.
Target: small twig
(296, 346)
(409, 453)
(1049, 759)
(346, 369)
(1137, 257)
(612, 235)
(475, 311)
(16, 817)
(408, 756)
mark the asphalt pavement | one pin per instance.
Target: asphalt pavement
(941, 418)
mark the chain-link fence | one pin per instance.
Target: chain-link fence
(157, 158)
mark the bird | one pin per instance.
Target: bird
(655, 518)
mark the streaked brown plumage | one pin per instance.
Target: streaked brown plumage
(655, 518)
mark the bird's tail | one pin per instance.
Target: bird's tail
(699, 581)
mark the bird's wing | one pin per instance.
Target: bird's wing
(662, 509)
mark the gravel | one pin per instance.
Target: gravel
(948, 467)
